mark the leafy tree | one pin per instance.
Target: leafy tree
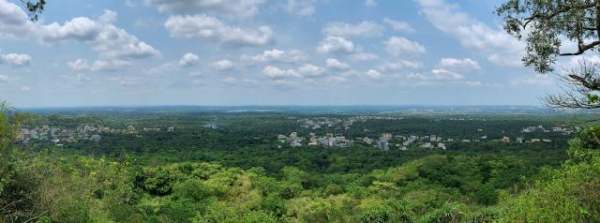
(35, 8)
(548, 25)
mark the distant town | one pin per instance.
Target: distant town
(61, 136)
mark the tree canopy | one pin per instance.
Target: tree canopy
(35, 8)
(546, 27)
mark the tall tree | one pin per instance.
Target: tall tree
(546, 25)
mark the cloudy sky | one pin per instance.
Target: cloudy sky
(263, 52)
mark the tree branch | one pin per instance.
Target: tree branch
(555, 13)
(582, 48)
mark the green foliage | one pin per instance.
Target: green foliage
(303, 184)
(568, 194)
(548, 24)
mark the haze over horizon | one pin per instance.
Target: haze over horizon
(259, 52)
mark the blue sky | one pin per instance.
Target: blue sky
(263, 52)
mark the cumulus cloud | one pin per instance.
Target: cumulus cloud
(277, 55)
(82, 65)
(362, 29)
(307, 70)
(223, 65)
(15, 59)
(336, 44)
(274, 72)
(398, 46)
(241, 8)
(399, 26)
(399, 65)
(335, 64)
(436, 75)
(211, 28)
(374, 74)
(310, 70)
(443, 74)
(108, 17)
(188, 60)
(465, 64)
(301, 7)
(111, 42)
(499, 47)
(116, 48)
(13, 20)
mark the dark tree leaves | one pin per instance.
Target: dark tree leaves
(545, 25)
(35, 8)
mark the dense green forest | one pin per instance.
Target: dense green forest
(314, 164)
(235, 173)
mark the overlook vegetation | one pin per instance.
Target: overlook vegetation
(238, 174)
(222, 184)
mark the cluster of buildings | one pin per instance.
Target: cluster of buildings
(61, 135)
(556, 129)
(389, 141)
(328, 140)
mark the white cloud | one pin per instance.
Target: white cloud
(82, 65)
(499, 47)
(241, 8)
(400, 46)
(304, 71)
(3, 78)
(14, 22)
(362, 29)
(417, 76)
(223, 65)
(370, 3)
(79, 65)
(335, 64)
(189, 59)
(274, 72)
(114, 45)
(374, 74)
(25, 88)
(436, 75)
(399, 65)
(110, 42)
(108, 17)
(15, 59)
(443, 74)
(310, 70)
(362, 56)
(399, 26)
(335, 44)
(301, 7)
(465, 64)
(276, 55)
(211, 28)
